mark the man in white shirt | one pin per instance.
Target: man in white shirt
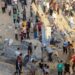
(18, 52)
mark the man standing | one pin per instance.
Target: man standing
(16, 33)
(27, 32)
(14, 15)
(19, 64)
(24, 14)
(66, 68)
(60, 67)
(65, 45)
(30, 49)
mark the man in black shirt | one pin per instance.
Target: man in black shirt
(66, 68)
(51, 11)
(30, 49)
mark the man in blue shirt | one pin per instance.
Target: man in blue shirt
(65, 46)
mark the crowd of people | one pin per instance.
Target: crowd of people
(27, 27)
(22, 25)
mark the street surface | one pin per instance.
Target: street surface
(7, 31)
(6, 69)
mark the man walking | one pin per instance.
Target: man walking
(19, 64)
